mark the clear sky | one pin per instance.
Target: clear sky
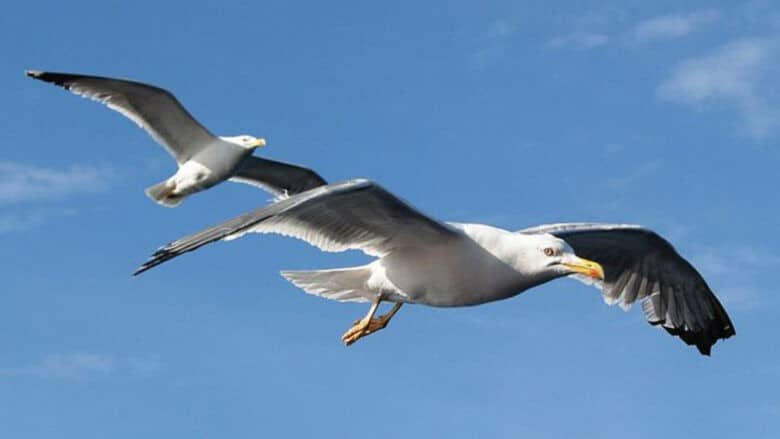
(508, 113)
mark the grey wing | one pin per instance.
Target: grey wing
(641, 265)
(277, 177)
(154, 109)
(356, 214)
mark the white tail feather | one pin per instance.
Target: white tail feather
(343, 285)
(161, 194)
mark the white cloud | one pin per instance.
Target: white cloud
(578, 41)
(75, 366)
(81, 366)
(673, 26)
(737, 75)
(22, 182)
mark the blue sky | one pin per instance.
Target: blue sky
(508, 113)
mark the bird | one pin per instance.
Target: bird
(420, 260)
(203, 159)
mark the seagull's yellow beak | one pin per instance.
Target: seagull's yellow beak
(586, 267)
(259, 143)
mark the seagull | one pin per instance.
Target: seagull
(421, 260)
(203, 159)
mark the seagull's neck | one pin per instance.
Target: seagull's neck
(517, 250)
(507, 246)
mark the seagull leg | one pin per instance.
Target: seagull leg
(358, 329)
(381, 322)
(369, 324)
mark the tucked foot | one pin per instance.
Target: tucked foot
(364, 327)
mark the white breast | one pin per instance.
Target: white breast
(458, 274)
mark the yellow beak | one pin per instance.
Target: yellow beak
(259, 143)
(586, 267)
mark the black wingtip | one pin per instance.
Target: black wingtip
(61, 79)
(161, 255)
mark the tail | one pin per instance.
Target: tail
(161, 193)
(343, 284)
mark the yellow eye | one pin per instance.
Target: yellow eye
(549, 251)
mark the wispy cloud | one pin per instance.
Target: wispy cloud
(663, 27)
(30, 189)
(739, 74)
(22, 182)
(745, 261)
(673, 26)
(492, 44)
(84, 366)
(76, 366)
(23, 219)
(732, 273)
(578, 41)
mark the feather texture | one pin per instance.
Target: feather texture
(641, 265)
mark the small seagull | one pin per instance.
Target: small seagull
(428, 262)
(204, 159)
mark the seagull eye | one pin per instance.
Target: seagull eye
(549, 251)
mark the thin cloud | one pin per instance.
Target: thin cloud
(23, 219)
(23, 183)
(744, 261)
(75, 366)
(81, 366)
(732, 273)
(578, 41)
(492, 45)
(673, 26)
(739, 74)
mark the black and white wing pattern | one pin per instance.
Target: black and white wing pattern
(640, 265)
(154, 109)
(282, 179)
(356, 214)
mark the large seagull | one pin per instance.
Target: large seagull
(203, 159)
(424, 261)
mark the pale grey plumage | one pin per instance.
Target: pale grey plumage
(204, 159)
(425, 261)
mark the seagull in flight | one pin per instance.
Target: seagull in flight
(203, 159)
(422, 261)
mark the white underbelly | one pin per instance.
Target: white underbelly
(454, 275)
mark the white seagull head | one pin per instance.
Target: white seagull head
(549, 257)
(245, 141)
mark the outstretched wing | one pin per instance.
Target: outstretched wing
(356, 214)
(282, 179)
(641, 265)
(155, 110)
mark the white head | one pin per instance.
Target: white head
(548, 257)
(245, 141)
